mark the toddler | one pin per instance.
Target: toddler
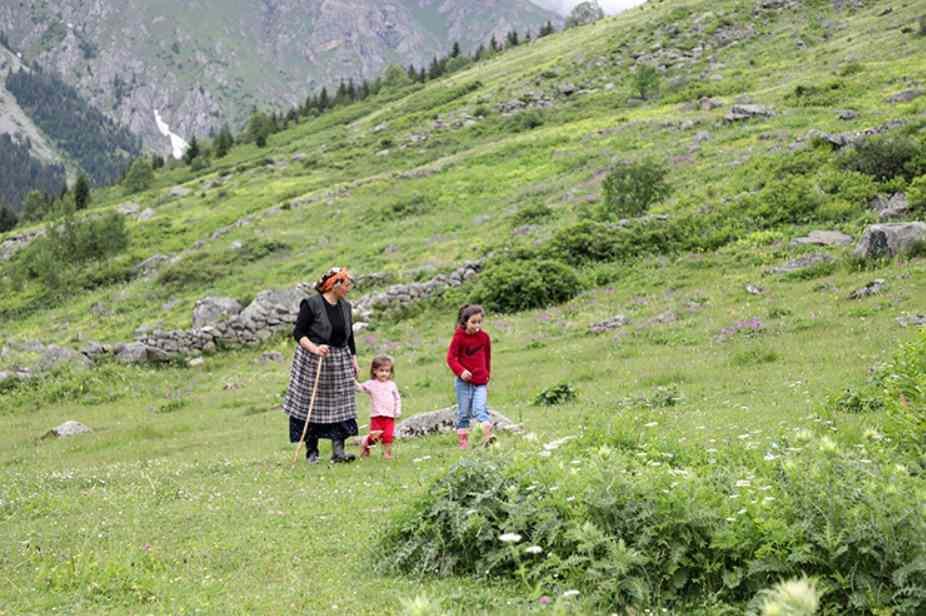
(387, 405)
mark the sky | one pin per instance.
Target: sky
(609, 6)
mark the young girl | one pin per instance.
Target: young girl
(387, 405)
(470, 359)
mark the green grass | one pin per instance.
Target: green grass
(184, 499)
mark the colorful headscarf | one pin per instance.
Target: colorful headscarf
(332, 278)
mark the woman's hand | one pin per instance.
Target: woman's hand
(353, 361)
(466, 375)
(321, 350)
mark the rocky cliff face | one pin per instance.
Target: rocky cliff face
(203, 62)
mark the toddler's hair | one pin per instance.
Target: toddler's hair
(467, 311)
(381, 361)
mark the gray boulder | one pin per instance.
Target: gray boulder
(823, 238)
(904, 97)
(211, 310)
(67, 429)
(890, 239)
(802, 263)
(912, 320)
(872, 288)
(584, 13)
(151, 265)
(609, 324)
(146, 215)
(444, 421)
(274, 304)
(747, 112)
(128, 208)
(271, 357)
(139, 353)
(59, 357)
(893, 206)
(179, 191)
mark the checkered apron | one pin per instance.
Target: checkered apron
(336, 399)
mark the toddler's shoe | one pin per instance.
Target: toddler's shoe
(365, 447)
(463, 440)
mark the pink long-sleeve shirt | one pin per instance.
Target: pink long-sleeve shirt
(385, 397)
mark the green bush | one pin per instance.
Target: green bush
(824, 95)
(532, 214)
(558, 394)
(511, 286)
(139, 176)
(792, 200)
(523, 121)
(886, 158)
(590, 241)
(916, 194)
(631, 188)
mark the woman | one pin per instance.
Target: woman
(324, 333)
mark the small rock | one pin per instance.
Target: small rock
(847, 114)
(212, 310)
(179, 191)
(129, 208)
(609, 324)
(67, 429)
(443, 421)
(754, 290)
(746, 112)
(801, 263)
(195, 362)
(912, 320)
(894, 206)
(872, 288)
(274, 357)
(146, 215)
(823, 238)
(904, 97)
(56, 357)
(567, 89)
(706, 103)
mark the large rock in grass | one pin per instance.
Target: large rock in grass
(443, 421)
(823, 238)
(802, 263)
(55, 357)
(890, 240)
(139, 353)
(747, 112)
(211, 310)
(67, 429)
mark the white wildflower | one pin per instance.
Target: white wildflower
(651, 424)
(534, 549)
(570, 594)
(509, 538)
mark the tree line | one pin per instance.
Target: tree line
(101, 147)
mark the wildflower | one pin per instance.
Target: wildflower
(510, 538)
(792, 597)
(827, 445)
(872, 435)
(544, 600)
(534, 549)
(770, 456)
(570, 594)
(743, 483)
(651, 424)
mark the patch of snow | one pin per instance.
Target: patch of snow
(177, 144)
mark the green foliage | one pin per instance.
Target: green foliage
(512, 286)
(916, 194)
(631, 188)
(887, 157)
(823, 95)
(70, 245)
(81, 193)
(259, 129)
(523, 121)
(791, 200)
(797, 597)
(532, 214)
(558, 394)
(139, 176)
(8, 218)
(904, 393)
(223, 142)
(646, 81)
(192, 151)
(22, 173)
(664, 396)
(416, 204)
(395, 77)
(36, 207)
(855, 401)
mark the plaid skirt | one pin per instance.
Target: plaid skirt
(336, 400)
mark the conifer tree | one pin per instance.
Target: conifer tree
(81, 192)
(323, 102)
(8, 218)
(455, 52)
(493, 43)
(191, 152)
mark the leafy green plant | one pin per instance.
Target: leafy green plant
(512, 286)
(524, 121)
(555, 395)
(887, 157)
(532, 214)
(631, 188)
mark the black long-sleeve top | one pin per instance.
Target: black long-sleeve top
(339, 335)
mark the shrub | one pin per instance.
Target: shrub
(886, 158)
(857, 401)
(414, 205)
(139, 176)
(523, 121)
(824, 95)
(631, 188)
(916, 194)
(521, 285)
(558, 394)
(532, 214)
(646, 81)
(792, 200)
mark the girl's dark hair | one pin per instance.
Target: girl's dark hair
(378, 362)
(466, 312)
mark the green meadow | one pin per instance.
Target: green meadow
(184, 499)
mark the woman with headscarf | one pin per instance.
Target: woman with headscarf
(324, 333)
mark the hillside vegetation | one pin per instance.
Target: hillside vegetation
(697, 425)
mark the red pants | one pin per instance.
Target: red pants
(384, 424)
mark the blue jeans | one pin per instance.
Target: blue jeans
(471, 403)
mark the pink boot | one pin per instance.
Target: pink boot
(463, 439)
(365, 447)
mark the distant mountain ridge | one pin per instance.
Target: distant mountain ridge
(204, 62)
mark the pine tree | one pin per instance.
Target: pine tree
(513, 38)
(351, 90)
(479, 51)
(192, 151)
(157, 161)
(422, 75)
(81, 192)
(8, 219)
(364, 90)
(493, 43)
(455, 52)
(139, 176)
(546, 30)
(435, 70)
(224, 142)
(323, 102)
(527, 36)
(35, 206)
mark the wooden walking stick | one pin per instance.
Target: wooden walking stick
(308, 417)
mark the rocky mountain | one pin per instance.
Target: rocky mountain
(200, 63)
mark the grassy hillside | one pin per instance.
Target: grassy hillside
(183, 500)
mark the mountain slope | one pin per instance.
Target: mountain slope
(202, 63)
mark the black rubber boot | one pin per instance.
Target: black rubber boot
(337, 452)
(311, 449)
